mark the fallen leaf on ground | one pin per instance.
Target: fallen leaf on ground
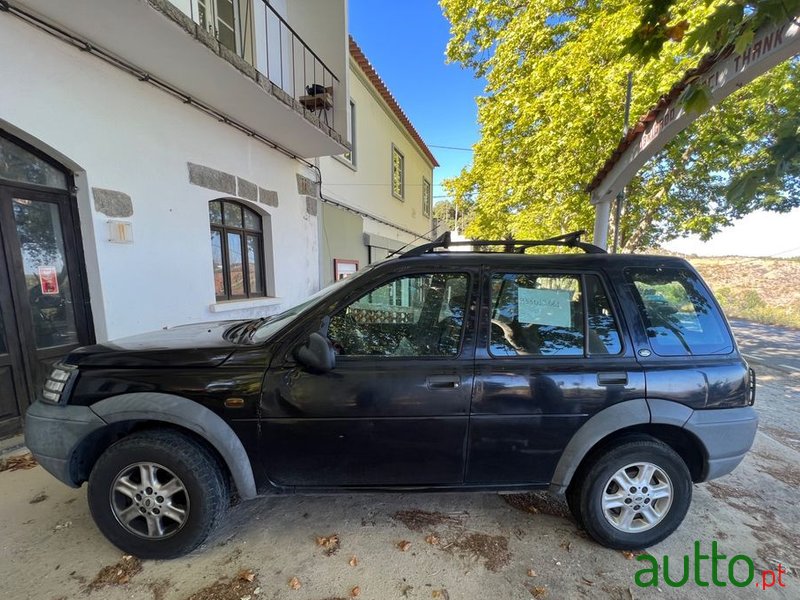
(330, 543)
(404, 545)
(421, 520)
(432, 539)
(443, 594)
(587, 581)
(247, 575)
(531, 573)
(353, 561)
(230, 588)
(355, 592)
(294, 583)
(118, 574)
(538, 592)
(627, 554)
(18, 462)
(492, 549)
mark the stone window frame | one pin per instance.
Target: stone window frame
(350, 157)
(427, 198)
(262, 236)
(401, 194)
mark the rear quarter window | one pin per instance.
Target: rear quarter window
(678, 313)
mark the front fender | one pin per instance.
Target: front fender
(167, 408)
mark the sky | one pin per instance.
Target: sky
(405, 42)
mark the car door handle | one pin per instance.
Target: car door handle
(440, 382)
(612, 378)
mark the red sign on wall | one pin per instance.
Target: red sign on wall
(48, 280)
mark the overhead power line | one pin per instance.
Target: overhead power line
(450, 148)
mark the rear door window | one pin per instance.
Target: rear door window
(536, 315)
(543, 315)
(678, 313)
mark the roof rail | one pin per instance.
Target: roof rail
(569, 240)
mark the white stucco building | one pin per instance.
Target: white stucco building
(160, 161)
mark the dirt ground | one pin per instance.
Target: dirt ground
(415, 546)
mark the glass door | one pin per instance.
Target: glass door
(48, 314)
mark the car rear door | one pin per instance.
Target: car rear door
(395, 409)
(551, 353)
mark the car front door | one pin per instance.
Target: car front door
(394, 411)
(551, 353)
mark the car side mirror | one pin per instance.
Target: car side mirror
(317, 354)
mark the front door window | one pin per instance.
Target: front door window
(417, 315)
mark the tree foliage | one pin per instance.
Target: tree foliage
(452, 217)
(552, 113)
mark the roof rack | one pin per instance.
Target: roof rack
(570, 240)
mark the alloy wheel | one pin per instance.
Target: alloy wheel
(637, 497)
(149, 500)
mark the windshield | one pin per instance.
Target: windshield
(274, 323)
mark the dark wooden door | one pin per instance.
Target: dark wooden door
(42, 293)
(11, 370)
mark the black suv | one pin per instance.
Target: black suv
(613, 379)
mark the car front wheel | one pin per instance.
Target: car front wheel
(633, 495)
(157, 494)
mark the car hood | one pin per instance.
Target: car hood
(195, 345)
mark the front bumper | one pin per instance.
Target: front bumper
(54, 431)
(727, 434)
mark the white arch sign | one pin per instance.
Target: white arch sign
(771, 46)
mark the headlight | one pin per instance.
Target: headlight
(60, 377)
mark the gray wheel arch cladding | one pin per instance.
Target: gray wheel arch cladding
(152, 406)
(607, 421)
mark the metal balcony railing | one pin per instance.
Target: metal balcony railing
(281, 54)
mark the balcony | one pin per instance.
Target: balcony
(251, 60)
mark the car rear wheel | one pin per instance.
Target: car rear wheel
(633, 495)
(157, 494)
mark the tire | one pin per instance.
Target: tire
(644, 517)
(169, 478)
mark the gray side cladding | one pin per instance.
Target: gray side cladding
(152, 406)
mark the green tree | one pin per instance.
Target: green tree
(553, 110)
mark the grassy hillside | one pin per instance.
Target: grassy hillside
(764, 290)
